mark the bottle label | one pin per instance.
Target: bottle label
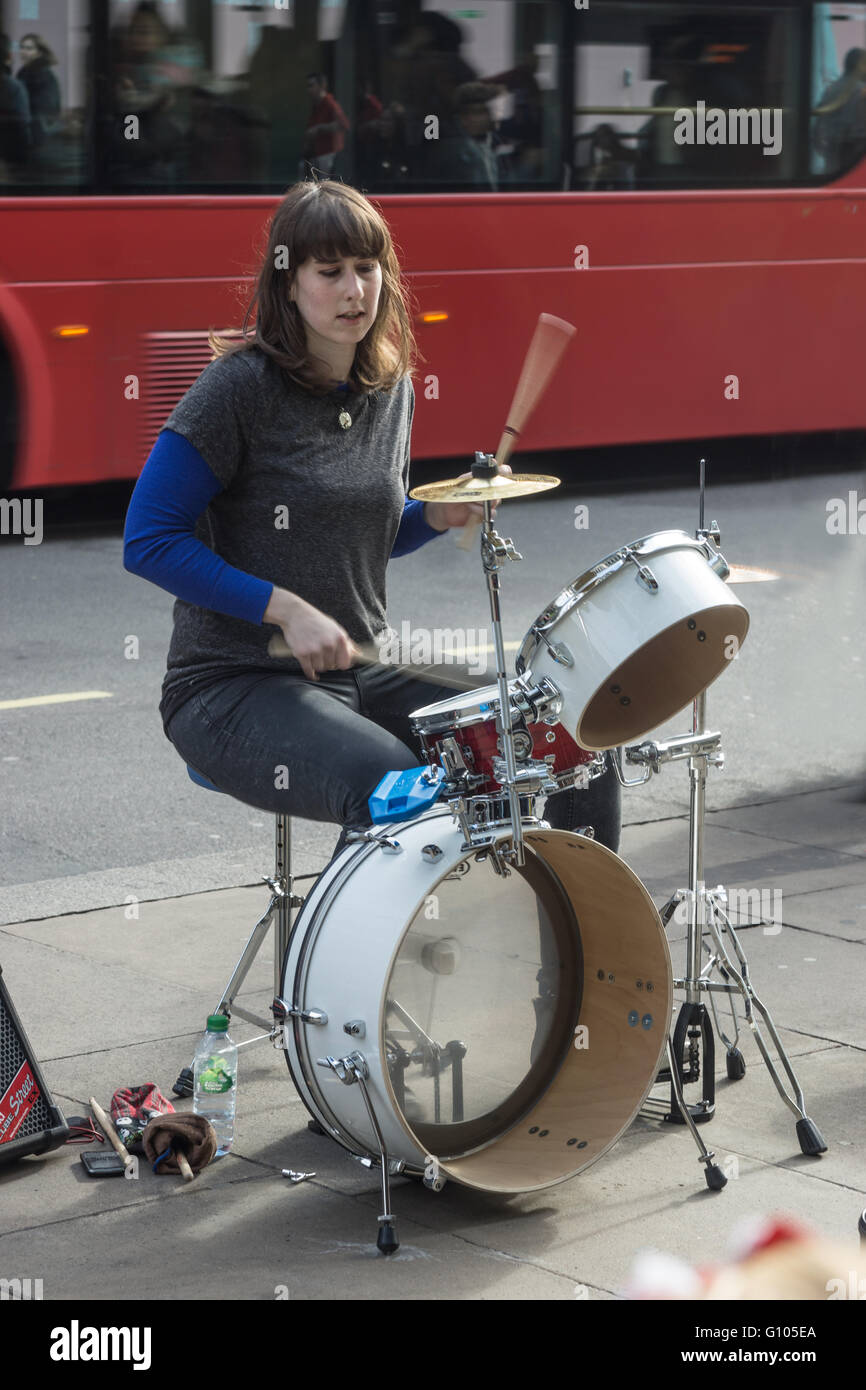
(214, 1077)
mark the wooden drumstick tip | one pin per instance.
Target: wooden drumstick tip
(549, 341)
(183, 1165)
(111, 1133)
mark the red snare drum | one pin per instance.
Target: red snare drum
(470, 720)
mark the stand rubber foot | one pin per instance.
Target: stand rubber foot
(185, 1084)
(736, 1064)
(386, 1240)
(314, 1127)
(716, 1179)
(810, 1137)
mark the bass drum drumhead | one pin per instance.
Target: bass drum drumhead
(511, 1025)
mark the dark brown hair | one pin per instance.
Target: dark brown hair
(328, 221)
(45, 52)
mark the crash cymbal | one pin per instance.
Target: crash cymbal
(497, 489)
(750, 574)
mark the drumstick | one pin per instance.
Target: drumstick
(183, 1165)
(111, 1133)
(371, 655)
(549, 341)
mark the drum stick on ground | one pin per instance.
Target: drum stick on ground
(111, 1133)
(549, 341)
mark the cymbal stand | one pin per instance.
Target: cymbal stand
(532, 777)
(706, 912)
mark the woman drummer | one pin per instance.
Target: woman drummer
(274, 498)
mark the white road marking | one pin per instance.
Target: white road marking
(57, 699)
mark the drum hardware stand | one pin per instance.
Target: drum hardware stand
(353, 1070)
(495, 550)
(706, 910)
(430, 1054)
(279, 912)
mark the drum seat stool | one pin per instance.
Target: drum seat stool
(279, 912)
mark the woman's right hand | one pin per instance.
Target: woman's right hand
(316, 641)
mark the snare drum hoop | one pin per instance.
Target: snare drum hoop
(574, 594)
(445, 715)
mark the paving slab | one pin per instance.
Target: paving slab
(836, 819)
(752, 1119)
(829, 912)
(69, 1005)
(195, 939)
(648, 1192)
(261, 1239)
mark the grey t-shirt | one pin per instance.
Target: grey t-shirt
(274, 446)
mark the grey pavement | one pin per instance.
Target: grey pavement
(129, 987)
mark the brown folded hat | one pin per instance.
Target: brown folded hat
(192, 1135)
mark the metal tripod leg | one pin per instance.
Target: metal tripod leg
(353, 1070)
(810, 1137)
(278, 911)
(716, 1179)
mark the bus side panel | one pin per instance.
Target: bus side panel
(671, 353)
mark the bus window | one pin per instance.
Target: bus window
(377, 92)
(680, 95)
(44, 84)
(222, 95)
(466, 101)
(838, 131)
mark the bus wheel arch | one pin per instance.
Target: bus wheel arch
(10, 414)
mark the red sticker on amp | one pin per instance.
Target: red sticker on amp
(17, 1101)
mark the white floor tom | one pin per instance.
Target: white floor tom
(636, 638)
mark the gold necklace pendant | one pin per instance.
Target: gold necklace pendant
(345, 420)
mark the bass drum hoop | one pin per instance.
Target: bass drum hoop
(627, 997)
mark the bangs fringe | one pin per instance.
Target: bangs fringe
(327, 221)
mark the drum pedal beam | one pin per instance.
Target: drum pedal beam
(693, 1027)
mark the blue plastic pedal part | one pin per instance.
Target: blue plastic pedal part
(402, 795)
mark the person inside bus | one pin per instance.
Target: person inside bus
(326, 127)
(14, 117)
(43, 90)
(276, 83)
(465, 153)
(523, 130)
(839, 133)
(143, 87)
(422, 70)
(660, 158)
(273, 500)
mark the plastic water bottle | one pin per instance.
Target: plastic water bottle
(215, 1071)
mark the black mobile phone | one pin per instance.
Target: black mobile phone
(103, 1165)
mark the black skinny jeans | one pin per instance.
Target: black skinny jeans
(317, 749)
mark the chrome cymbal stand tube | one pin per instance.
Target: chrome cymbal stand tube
(707, 913)
(495, 550)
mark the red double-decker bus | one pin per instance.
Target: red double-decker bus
(683, 181)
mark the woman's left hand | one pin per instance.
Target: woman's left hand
(443, 515)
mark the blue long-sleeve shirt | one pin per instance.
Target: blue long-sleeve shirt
(159, 543)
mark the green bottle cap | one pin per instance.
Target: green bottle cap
(217, 1023)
